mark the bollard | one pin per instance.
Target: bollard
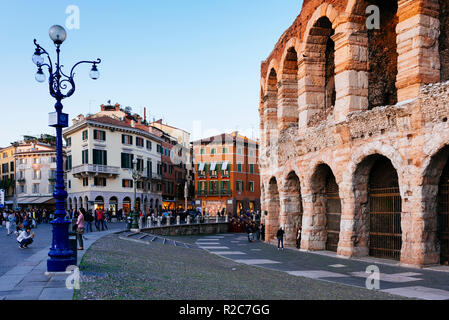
(216, 219)
(168, 220)
(188, 219)
(198, 219)
(226, 218)
(178, 220)
(159, 221)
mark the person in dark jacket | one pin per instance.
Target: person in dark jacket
(280, 236)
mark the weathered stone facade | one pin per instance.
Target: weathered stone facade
(386, 128)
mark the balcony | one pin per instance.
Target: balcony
(225, 193)
(225, 174)
(86, 169)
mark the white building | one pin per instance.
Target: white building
(100, 152)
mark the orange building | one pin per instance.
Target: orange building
(227, 174)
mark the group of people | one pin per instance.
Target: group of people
(20, 223)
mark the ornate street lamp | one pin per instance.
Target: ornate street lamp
(61, 86)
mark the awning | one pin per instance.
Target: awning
(201, 167)
(212, 166)
(34, 200)
(224, 166)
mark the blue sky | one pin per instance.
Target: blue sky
(196, 63)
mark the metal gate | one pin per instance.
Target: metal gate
(443, 216)
(333, 214)
(385, 236)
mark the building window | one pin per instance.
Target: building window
(225, 150)
(127, 160)
(126, 183)
(251, 153)
(51, 188)
(36, 160)
(126, 139)
(100, 135)
(240, 185)
(85, 156)
(149, 168)
(22, 189)
(69, 142)
(36, 174)
(149, 145)
(251, 186)
(68, 163)
(213, 151)
(139, 164)
(100, 157)
(70, 183)
(239, 151)
(239, 167)
(139, 142)
(11, 166)
(251, 168)
(52, 175)
(159, 169)
(53, 160)
(35, 187)
(86, 182)
(85, 135)
(159, 149)
(99, 182)
(202, 151)
(170, 169)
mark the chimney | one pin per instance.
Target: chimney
(145, 114)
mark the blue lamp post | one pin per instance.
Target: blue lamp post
(61, 86)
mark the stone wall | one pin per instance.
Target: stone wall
(367, 125)
(188, 230)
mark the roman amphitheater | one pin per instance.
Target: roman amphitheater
(354, 131)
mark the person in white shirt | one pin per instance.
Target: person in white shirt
(25, 238)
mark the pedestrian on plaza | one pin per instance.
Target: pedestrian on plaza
(25, 238)
(44, 216)
(249, 231)
(34, 219)
(88, 219)
(80, 228)
(11, 220)
(280, 237)
(298, 237)
(97, 219)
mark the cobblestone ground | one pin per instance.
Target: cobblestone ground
(119, 269)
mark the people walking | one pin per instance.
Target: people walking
(80, 228)
(249, 231)
(25, 238)
(88, 219)
(298, 237)
(280, 237)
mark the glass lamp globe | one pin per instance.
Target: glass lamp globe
(40, 76)
(57, 34)
(37, 58)
(94, 73)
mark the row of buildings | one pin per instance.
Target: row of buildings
(215, 175)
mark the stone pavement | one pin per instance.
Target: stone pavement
(28, 280)
(428, 283)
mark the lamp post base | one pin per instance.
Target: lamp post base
(59, 265)
(61, 254)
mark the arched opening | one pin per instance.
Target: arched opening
(292, 208)
(288, 92)
(126, 205)
(70, 204)
(81, 202)
(151, 203)
(327, 207)
(378, 208)
(86, 202)
(138, 204)
(444, 40)
(383, 56)
(272, 219)
(319, 61)
(113, 205)
(99, 203)
(145, 205)
(271, 107)
(156, 206)
(435, 198)
(75, 204)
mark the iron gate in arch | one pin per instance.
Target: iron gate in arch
(385, 236)
(333, 214)
(443, 216)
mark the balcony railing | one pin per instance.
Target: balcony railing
(95, 168)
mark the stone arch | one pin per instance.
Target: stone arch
(326, 204)
(291, 207)
(70, 204)
(288, 88)
(317, 75)
(113, 204)
(127, 205)
(443, 40)
(377, 208)
(272, 219)
(81, 202)
(435, 205)
(99, 203)
(75, 203)
(271, 107)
